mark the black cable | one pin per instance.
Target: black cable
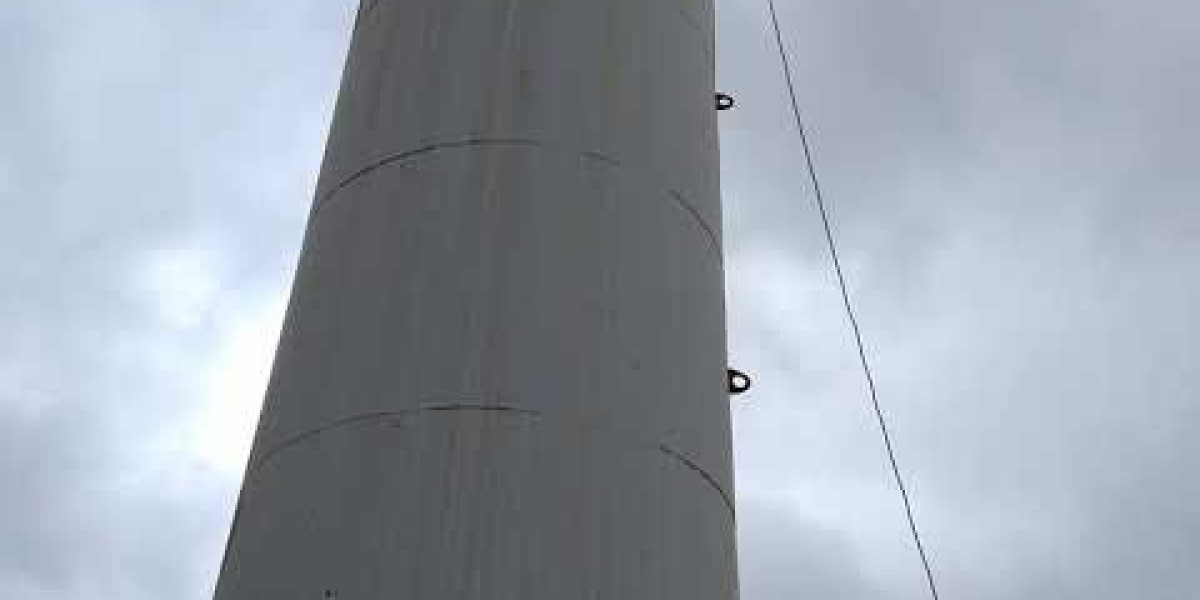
(841, 280)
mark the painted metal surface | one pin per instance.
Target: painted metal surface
(502, 371)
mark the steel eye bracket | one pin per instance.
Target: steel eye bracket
(737, 381)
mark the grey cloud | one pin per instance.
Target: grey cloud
(131, 128)
(1013, 185)
(785, 556)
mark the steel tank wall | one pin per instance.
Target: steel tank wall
(501, 374)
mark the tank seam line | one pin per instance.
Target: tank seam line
(257, 463)
(401, 157)
(266, 456)
(712, 482)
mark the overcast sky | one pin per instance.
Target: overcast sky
(1015, 186)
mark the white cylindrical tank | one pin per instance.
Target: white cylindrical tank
(502, 371)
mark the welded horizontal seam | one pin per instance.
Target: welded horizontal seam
(695, 213)
(368, 417)
(712, 481)
(400, 157)
(404, 155)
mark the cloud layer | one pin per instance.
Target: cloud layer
(1013, 186)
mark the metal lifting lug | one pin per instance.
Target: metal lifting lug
(724, 101)
(738, 382)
